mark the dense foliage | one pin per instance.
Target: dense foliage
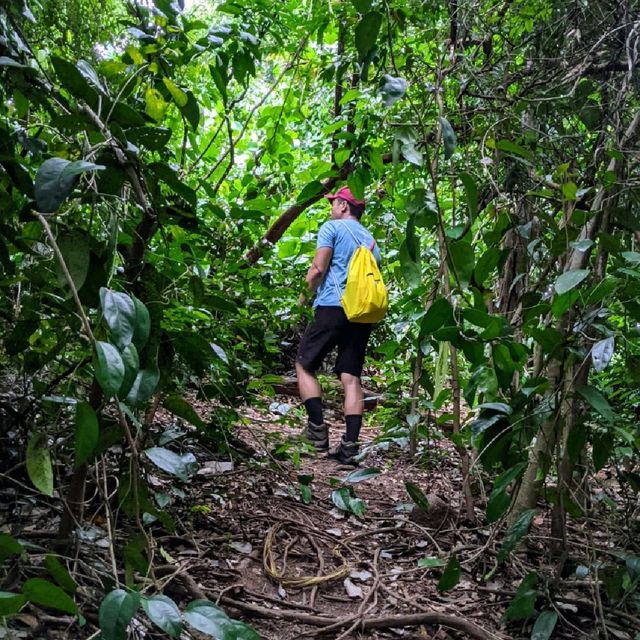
(159, 174)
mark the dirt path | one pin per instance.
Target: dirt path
(292, 564)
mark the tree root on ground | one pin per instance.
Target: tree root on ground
(470, 629)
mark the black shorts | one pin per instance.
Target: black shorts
(330, 328)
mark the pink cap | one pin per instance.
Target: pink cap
(345, 194)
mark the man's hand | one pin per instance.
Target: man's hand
(302, 300)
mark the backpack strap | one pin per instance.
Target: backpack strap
(355, 239)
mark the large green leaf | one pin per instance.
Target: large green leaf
(451, 575)
(11, 603)
(109, 368)
(448, 137)
(392, 90)
(471, 193)
(116, 612)
(367, 32)
(119, 314)
(60, 574)
(164, 613)
(39, 463)
(207, 618)
(410, 269)
(439, 314)
(417, 496)
(142, 325)
(182, 467)
(544, 626)
(602, 352)
(191, 111)
(359, 475)
(462, 260)
(47, 594)
(74, 247)
(131, 362)
(570, 280)
(180, 407)
(597, 401)
(86, 432)
(523, 604)
(55, 180)
(9, 546)
(516, 532)
(143, 386)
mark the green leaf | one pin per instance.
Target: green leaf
(60, 574)
(73, 81)
(206, 617)
(341, 498)
(430, 562)
(411, 154)
(362, 6)
(544, 626)
(602, 449)
(131, 362)
(151, 138)
(180, 407)
(439, 314)
(46, 594)
(597, 401)
(516, 532)
(116, 612)
(86, 432)
(39, 463)
(499, 500)
(514, 149)
(367, 33)
(471, 193)
(523, 604)
(410, 269)
(310, 191)
(570, 280)
(182, 467)
(448, 137)
(191, 111)
(164, 613)
(417, 496)
(11, 603)
(359, 475)
(5, 61)
(109, 368)
(119, 314)
(169, 176)
(461, 256)
(74, 247)
(178, 95)
(155, 104)
(142, 326)
(451, 575)
(392, 90)
(357, 506)
(9, 546)
(143, 386)
(55, 180)
(602, 352)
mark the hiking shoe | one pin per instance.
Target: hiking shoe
(318, 435)
(345, 453)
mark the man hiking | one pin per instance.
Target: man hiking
(338, 240)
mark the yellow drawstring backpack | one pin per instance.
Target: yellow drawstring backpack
(365, 296)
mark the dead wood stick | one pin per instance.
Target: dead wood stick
(384, 622)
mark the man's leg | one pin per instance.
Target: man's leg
(353, 405)
(310, 394)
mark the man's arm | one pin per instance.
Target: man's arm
(318, 269)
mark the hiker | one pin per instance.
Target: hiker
(338, 239)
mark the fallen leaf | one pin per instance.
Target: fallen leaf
(353, 591)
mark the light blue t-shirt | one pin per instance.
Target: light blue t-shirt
(339, 236)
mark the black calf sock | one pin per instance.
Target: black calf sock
(354, 423)
(314, 410)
